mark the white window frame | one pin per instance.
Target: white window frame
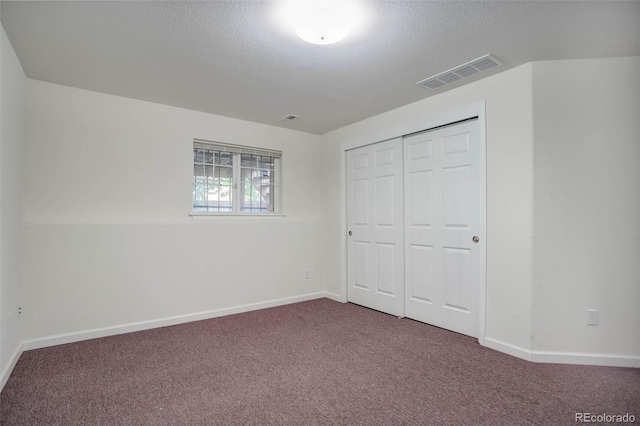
(237, 151)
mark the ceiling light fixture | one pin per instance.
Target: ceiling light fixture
(323, 22)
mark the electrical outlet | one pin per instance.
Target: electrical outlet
(592, 317)
(307, 274)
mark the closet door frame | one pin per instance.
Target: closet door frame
(433, 121)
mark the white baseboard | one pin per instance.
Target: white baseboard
(551, 357)
(586, 359)
(507, 348)
(62, 339)
(6, 372)
(334, 296)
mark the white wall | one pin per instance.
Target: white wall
(108, 237)
(11, 141)
(508, 97)
(586, 205)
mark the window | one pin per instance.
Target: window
(235, 179)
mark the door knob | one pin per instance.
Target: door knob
(350, 233)
(475, 239)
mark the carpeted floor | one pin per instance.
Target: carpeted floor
(317, 362)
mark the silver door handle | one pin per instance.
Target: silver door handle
(350, 233)
(475, 239)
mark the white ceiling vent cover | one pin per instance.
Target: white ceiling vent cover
(476, 66)
(288, 117)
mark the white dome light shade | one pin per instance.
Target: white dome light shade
(323, 26)
(323, 22)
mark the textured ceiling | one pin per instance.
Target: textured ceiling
(237, 59)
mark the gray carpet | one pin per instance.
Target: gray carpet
(317, 362)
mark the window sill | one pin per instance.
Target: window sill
(196, 215)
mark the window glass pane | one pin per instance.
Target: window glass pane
(219, 192)
(224, 173)
(249, 160)
(213, 180)
(198, 193)
(198, 155)
(265, 163)
(255, 197)
(213, 196)
(223, 158)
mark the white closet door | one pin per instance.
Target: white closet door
(375, 244)
(441, 174)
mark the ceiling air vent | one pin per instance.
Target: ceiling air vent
(288, 117)
(476, 66)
